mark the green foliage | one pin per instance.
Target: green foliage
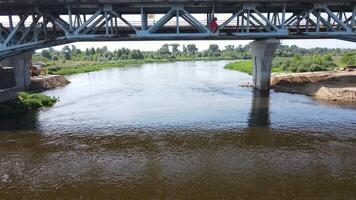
(349, 59)
(242, 66)
(295, 64)
(304, 63)
(35, 101)
(24, 103)
(213, 48)
(70, 60)
(192, 49)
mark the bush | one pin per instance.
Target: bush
(242, 66)
(32, 104)
(304, 63)
(35, 101)
(349, 59)
(25, 102)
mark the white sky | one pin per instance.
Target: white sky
(202, 45)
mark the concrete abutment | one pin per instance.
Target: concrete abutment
(19, 67)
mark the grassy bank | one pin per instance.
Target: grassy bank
(291, 64)
(76, 67)
(25, 102)
(242, 66)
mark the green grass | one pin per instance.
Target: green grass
(303, 64)
(76, 67)
(26, 102)
(242, 66)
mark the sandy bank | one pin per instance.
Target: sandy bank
(47, 82)
(335, 86)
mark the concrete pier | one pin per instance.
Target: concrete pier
(262, 52)
(20, 80)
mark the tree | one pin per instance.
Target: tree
(214, 48)
(92, 51)
(164, 50)
(55, 58)
(135, 54)
(184, 49)
(46, 54)
(67, 55)
(175, 48)
(66, 48)
(192, 49)
(229, 47)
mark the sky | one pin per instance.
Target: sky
(202, 45)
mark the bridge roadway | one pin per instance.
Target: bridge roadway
(27, 25)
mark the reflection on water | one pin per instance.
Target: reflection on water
(178, 131)
(259, 116)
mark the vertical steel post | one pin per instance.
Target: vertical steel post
(243, 22)
(208, 18)
(45, 26)
(116, 29)
(238, 23)
(353, 20)
(11, 23)
(318, 21)
(70, 19)
(34, 27)
(248, 20)
(284, 17)
(144, 23)
(177, 21)
(106, 23)
(112, 26)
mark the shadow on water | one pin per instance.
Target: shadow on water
(258, 131)
(24, 121)
(259, 115)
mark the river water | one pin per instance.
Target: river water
(180, 130)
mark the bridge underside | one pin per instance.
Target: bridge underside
(29, 25)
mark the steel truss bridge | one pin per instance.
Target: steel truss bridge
(26, 25)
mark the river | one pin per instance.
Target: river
(182, 130)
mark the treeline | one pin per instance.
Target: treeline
(190, 51)
(290, 51)
(71, 59)
(167, 51)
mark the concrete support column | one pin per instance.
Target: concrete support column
(21, 64)
(262, 52)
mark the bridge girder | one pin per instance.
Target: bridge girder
(39, 27)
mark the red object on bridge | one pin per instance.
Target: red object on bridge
(213, 25)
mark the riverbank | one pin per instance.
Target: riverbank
(246, 66)
(25, 102)
(76, 67)
(42, 83)
(325, 85)
(333, 86)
